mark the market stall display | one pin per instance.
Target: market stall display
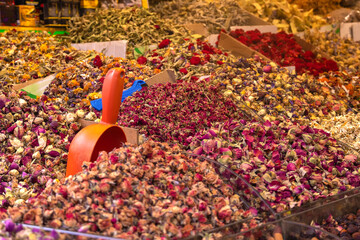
(230, 148)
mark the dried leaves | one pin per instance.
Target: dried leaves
(137, 25)
(28, 55)
(216, 15)
(285, 16)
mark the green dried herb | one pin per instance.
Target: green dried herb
(216, 16)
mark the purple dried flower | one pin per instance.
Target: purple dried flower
(14, 165)
(9, 225)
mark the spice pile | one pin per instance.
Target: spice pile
(288, 164)
(77, 85)
(287, 17)
(138, 192)
(285, 51)
(344, 51)
(29, 55)
(137, 25)
(174, 112)
(191, 60)
(216, 15)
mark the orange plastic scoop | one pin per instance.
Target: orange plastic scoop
(104, 136)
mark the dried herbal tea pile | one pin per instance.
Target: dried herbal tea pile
(319, 6)
(280, 94)
(283, 49)
(173, 112)
(29, 55)
(344, 51)
(288, 164)
(216, 15)
(343, 127)
(286, 16)
(137, 25)
(141, 192)
(77, 85)
(190, 60)
(35, 136)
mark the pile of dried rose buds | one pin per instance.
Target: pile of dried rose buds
(35, 137)
(143, 192)
(173, 112)
(288, 164)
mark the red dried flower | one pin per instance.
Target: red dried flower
(157, 26)
(97, 61)
(142, 60)
(195, 60)
(164, 43)
(183, 70)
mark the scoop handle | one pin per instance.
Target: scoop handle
(111, 95)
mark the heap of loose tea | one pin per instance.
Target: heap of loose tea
(288, 164)
(29, 55)
(286, 16)
(173, 112)
(318, 6)
(344, 51)
(277, 93)
(344, 127)
(141, 192)
(77, 85)
(216, 15)
(190, 60)
(137, 25)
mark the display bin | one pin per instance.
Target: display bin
(292, 213)
(62, 234)
(337, 206)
